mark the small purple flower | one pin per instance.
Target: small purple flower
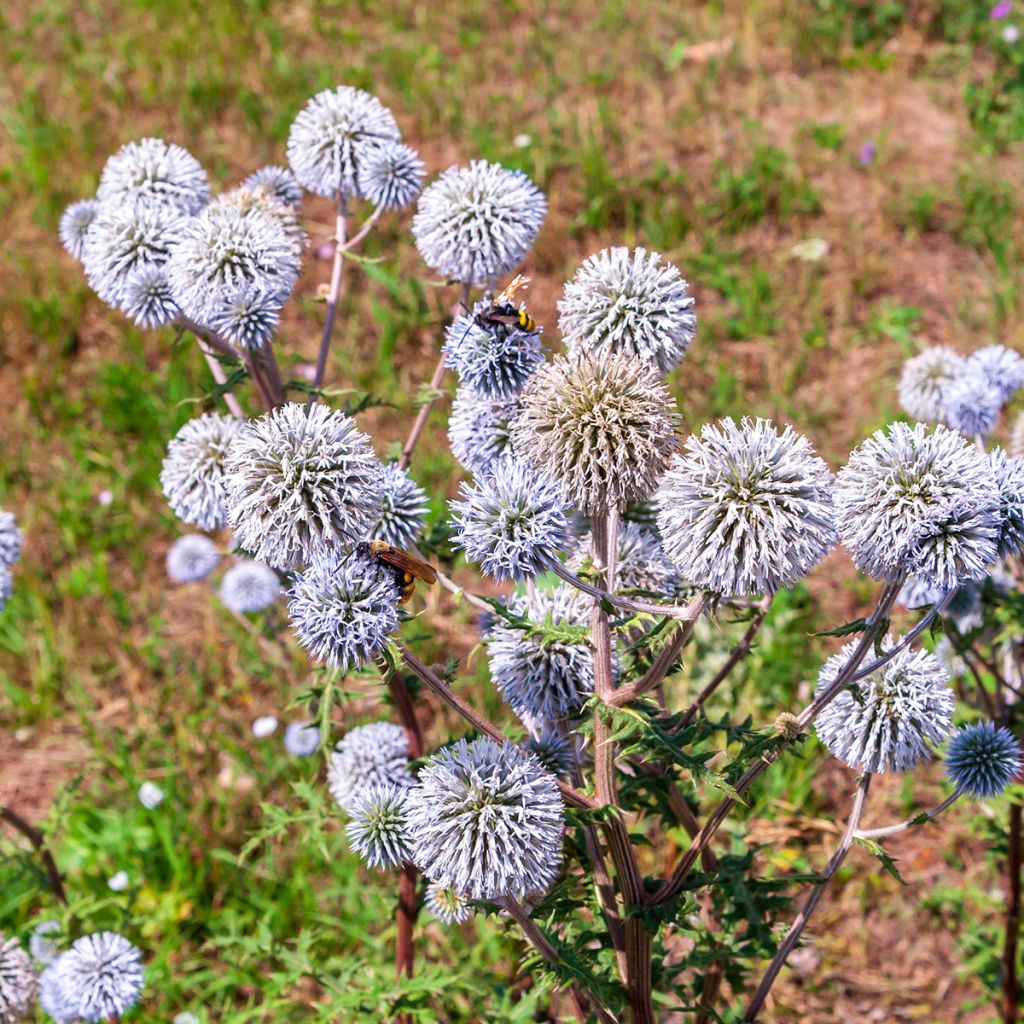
(866, 154)
(1001, 10)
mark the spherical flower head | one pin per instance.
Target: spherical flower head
(377, 828)
(333, 135)
(264, 726)
(623, 300)
(403, 506)
(343, 609)
(495, 360)
(192, 558)
(75, 222)
(17, 982)
(925, 380)
(510, 521)
(302, 482)
(101, 976)
(247, 317)
(1001, 367)
(448, 906)
(370, 755)
(480, 430)
(147, 298)
(746, 509)
(249, 587)
(52, 998)
(965, 609)
(263, 202)
(1009, 474)
(151, 173)
(972, 405)
(390, 175)
(641, 563)
(555, 751)
(543, 680)
(486, 820)
(278, 181)
(476, 223)
(44, 950)
(302, 738)
(983, 759)
(192, 475)
(151, 795)
(921, 501)
(888, 721)
(10, 539)
(601, 426)
(6, 586)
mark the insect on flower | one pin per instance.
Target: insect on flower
(406, 569)
(503, 310)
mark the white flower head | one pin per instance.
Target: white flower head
(403, 506)
(153, 173)
(972, 405)
(1001, 367)
(925, 380)
(151, 795)
(249, 587)
(448, 906)
(390, 176)
(192, 558)
(1009, 474)
(480, 429)
(377, 827)
(370, 755)
(10, 539)
(100, 976)
(302, 738)
(18, 981)
(75, 222)
(278, 182)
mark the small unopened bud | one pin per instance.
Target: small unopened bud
(787, 726)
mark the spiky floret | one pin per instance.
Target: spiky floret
(474, 224)
(192, 558)
(641, 563)
(889, 720)
(921, 501)
(18, 981)
(302, 482)
(448, 906)
(247, 317)
(601, 426)
(965, 609)
(6, 586)
(1002, 367)
(495, 360)
(44, 950)
(249, 587)
(332, 136)
(192, 475)
(377, 828)
(148, 299)
(101, 976)
(343, 609)
(391, 175)
(153, 173)
(746, 509)
(983, 759)
(264, 202)
(925, 379)
(555, 751)
(302, 738)
(10, 539)
(510, 521)
(278, 181)
(972, 405)
(480, 430)
(623, 300)
(376, 754)
(75, 222)
(486, 820)
(1009, 474)
(52, 998)
(403, 507)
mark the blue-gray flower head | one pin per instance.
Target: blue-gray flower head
(602, 426)
(486, 820)
(511, 522)
(924, 381)
(641, 563)
(249, 587)
(476, 223)
(1009, 474)
(403, 506)
(1002, 367)
(124, 241)
(343, 609)
(302, 482)
(75, 222)
(921, 501)
(377, 828)
(972, 405)
(448, 906)
(555, 751)
(18, 981)
(983, 759)
(623, 300)
(495, 360)
(965, 609)
(52, 998)
(44, 950)
(333, 135)
(147, 298)
(889, 721)
(543, 680)
(376, 754)
(247, 317)
(10, 539)
(153, 173)
(746, 509)
(278, 181)
(192, 558)
(6, 586)
(391, 175)
(192, 475)
(480, 430)
(302, 738)
(101, 976)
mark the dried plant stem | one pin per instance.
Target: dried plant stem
(259, 380)
(273, 372)
(333, 295)
(38, 841)
(791, 939)
(909, 823)
(209, 343)
(1011, 983)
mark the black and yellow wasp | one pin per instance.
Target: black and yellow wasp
(405, 569)
(503, 310)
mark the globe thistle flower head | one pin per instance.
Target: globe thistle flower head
(301, 738)
(6, 586)
(1009, 474)
(972, 405)
(965, 609)
(52, 998)
(75, 222)
(448, 906)
(151, 795)
(480, 430)
(601, 426)
(390, 175)
(403, 507)
(510, 521)
(264, 726)
(983, 759)
(623, 300)
(44, 950)
(554, 751)
(333, 135)
(247, 317)
(18, 981)
(1001, 367)
(377, 829)
(302, 482)
(278, 181)
(641, 563)
(925, 380)
(10, 539)
(264, 202)
(343, 609)
(889, 721)
(486, 820)
(495, 360)
(921, 501)
(147, 298)
(192, 558)
(152, 173)
(474, 224)
(100, 976)
(368, 756)
(249, 587)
